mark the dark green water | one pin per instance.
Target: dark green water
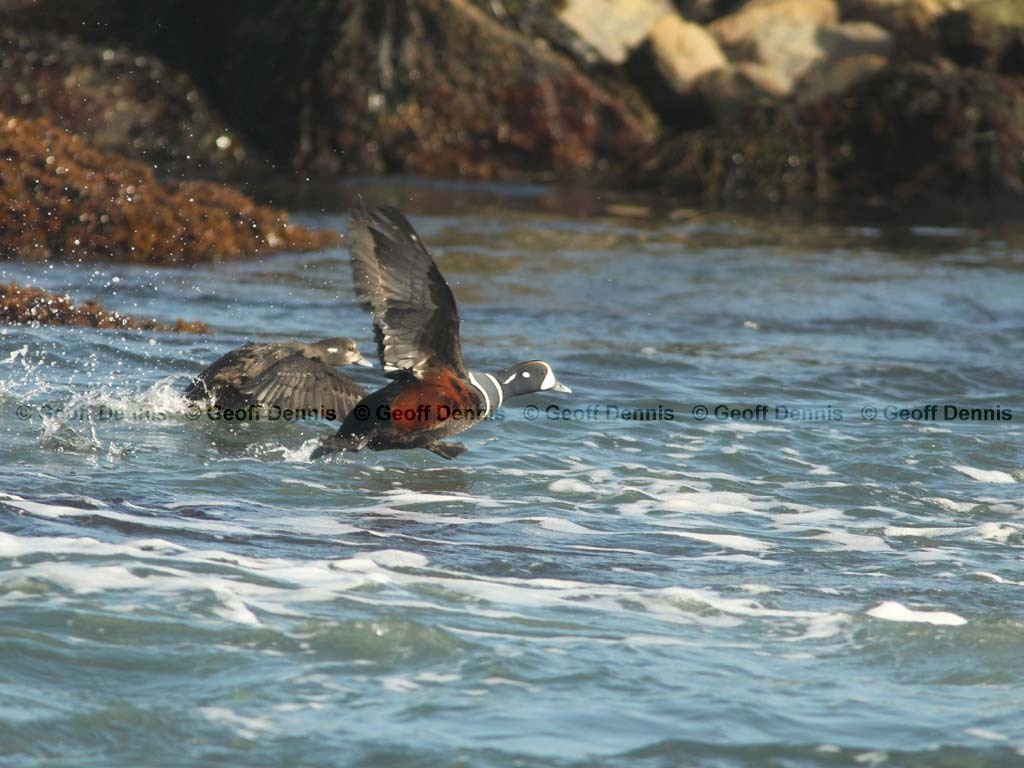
(580, 589)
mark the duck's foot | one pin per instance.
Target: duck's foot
(446, 450)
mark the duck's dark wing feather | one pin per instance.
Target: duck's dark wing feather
(298, 383)
(415, 320)
(228, 370)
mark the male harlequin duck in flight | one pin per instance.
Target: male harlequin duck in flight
(290, 375)
(416, 326)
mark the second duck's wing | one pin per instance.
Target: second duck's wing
(228, 370)
(297, 383)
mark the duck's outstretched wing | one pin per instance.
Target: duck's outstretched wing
(297, 383)
(229, 369)
(415, 320)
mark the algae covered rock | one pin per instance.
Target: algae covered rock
(910, 137)
(468, 88)
(61, 198)
(121, 101)
(25, 305)
(435, 87)
(986, 33)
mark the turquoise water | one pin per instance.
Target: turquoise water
(576, 590)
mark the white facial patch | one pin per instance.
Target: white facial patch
(526, 374)
(332, 350)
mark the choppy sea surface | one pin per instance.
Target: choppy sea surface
(730, 586)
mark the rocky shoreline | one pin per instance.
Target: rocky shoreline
(22, 305)
(889, 105)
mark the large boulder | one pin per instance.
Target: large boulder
(61, 198)
(854, 38)
(831, 78)
(121, 101)
(909, 137)
(434, 87)
(734, 89)
(787, 45)
(913, 24)
(613, 28)
(987, 34)
(737, 30)
(683, 52)
(704, 11)
(901, 16)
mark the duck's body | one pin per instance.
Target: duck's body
(290, 375)
(416, 322)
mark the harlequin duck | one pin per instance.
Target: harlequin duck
(416, 326)
(288, 374)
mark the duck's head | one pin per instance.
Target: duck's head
(530, 377)
(341, 351)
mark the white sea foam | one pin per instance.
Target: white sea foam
(732, 541)
(857, 542)
(250, 728)
(949, 505)
(564, 526)
(890, 610)
(923, 532)
(985, 475)
(569, 485)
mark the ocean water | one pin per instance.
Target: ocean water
(715, 584)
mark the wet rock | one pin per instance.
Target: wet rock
(988, 34)
(897, 14)
(683, 52)
(789, 46)
(920, 134)
(909, 137)
(433, 87)
(912, 23)
(60, 198)
(854, 38)
(121, 101)
(704, 11)
(734, 89)
(738, 30)
(398, 92)
(793, 46)
(836, 77)
(24, 305)
(613, 28)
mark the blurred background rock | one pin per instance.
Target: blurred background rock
(894, 105)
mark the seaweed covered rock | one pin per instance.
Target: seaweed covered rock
(61, 198)
(436, 87)
(23, 305)
(907, 137)
(986, 33)
(132, 104)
